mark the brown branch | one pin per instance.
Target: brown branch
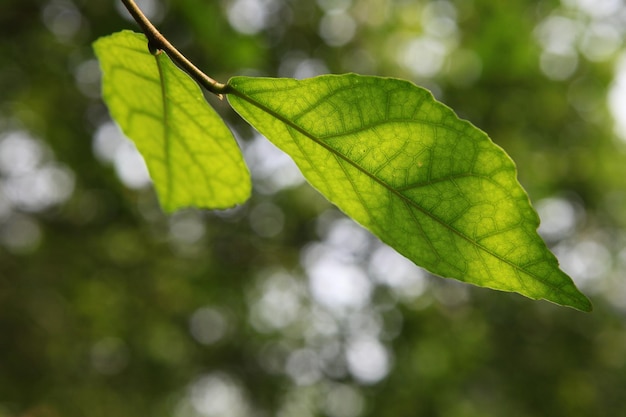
(157, 41)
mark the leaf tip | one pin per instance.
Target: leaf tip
(584, 304)
(575, 299)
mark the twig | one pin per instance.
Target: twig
(156, 41)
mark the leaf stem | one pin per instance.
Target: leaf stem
(157, 41)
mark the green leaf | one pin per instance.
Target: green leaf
(403, 165)
(192, 157)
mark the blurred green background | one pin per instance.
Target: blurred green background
(283, 307)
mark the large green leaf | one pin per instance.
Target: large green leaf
(403, 165)
(192, 157)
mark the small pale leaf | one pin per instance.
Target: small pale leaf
(404, 166)
(192, 157)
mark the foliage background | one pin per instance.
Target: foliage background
(282, 306)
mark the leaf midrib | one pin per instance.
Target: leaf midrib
(166, 131)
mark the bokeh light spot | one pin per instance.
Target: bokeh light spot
(186, 227)
(153, 9)
(424, 56)
(33, 181)
(208, 325)
(19, 154)
(558, 218)
(559, 66)
(267, 219)
(21, 234)
(251, 16)
(368, 360)
(87, 76)
(271, 169)
(586, 261)
(337, 28)
(343, 401)
(388, 267)
(303, 367)
(110, 145)
(617, 97)
(62, 18)
(439, 18)
(276, 304)
(216, 395)
(337, 285)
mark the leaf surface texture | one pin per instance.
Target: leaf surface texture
(403, 165)
(191, 155)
